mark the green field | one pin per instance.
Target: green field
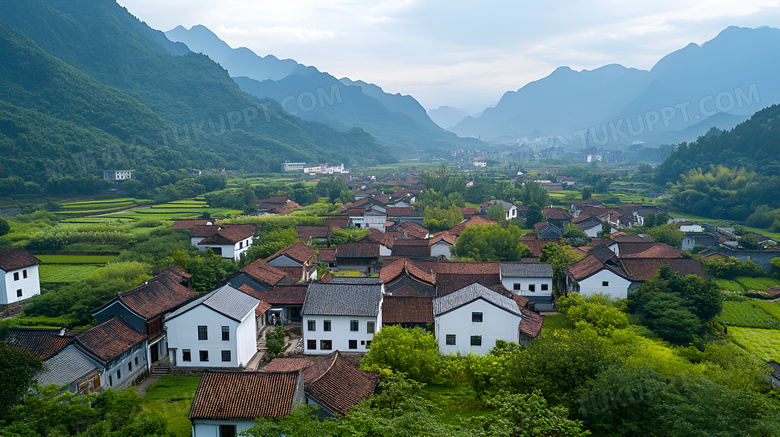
(65, 273)
(765, 343)
(761, 284)
(76, 259)
(746, 314)
(771, 308)
(728, 285)
(172, 397)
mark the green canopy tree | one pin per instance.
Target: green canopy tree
(491, 243)
(412, 351)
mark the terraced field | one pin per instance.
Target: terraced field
(765, 343)
(748, 315)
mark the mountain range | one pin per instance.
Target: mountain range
(720, 83)
(398, 121)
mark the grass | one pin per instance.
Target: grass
(771, 308)
(556, 322)
(765, 343)
(65, 272)
(728, 285)
(761, 284)
(456, 402)
(747, 315)
(76, 259)
(172, 397)
(347, 273)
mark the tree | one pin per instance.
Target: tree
(667, 234)
(748, 241)
(573, 232)
(396, 349)
(587, 192)
(596, 312)
(533, 216)
(17, 367)
(491, 243)
(437, 219)
(649, 221)
(560, 257)
(606, 229)
(496, 212)
(275, 340)
(4, 227)
(532, 192)
(525, 415)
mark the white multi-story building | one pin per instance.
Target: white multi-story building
(20, 275)
(118, 175)
(341, 316)
(532, 280)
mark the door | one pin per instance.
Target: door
(155, 352)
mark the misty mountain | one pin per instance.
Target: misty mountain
(206, 119)
(734, 73)
(447, 116)
(398, 121)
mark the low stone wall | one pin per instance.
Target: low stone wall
(14, 309)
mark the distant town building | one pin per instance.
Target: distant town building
(117, 175)
(288, 166)
(480, 163)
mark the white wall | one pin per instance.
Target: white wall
(210, 428)
(593, 232)
(441, 248)
(340, 333)
(108, 374)
(496, 324)
(183, 334)
(31, 286)
(617, 286)
(230, 250)
(509, 284)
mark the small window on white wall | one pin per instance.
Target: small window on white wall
(605, 283)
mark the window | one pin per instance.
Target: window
(203, 332)
(354, 325)
(225, 355)
(129, 367)
(326, 345)
(353, 344)
(118, 375)
(476, 340)
(312, 325)
(311, 344)
(476, 317)
(605, 283)
(450, 340)
(326, 325)
(110, 381)
(227, 431)
(19, 293)
(16, 276)
(186, 355)
(545, 287)
(136, 361)
(24, 274)
(204, 355)
(225, 333)
(517, 286)
(369, 327)
(532, 287)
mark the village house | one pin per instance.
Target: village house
(359, 255)
(296, 255)
(533, 280)
(415, 249)
(441, 243)
(218, 329)
(20, 276)
(510, 210)
(341, 316)
(332, 383)
(557, 216)
(143, 308)
(285, 302)
(227, 403)
(230, 241)
(71, 369)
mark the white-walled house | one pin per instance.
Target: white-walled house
(441, 244)
(472, 318)
(341, 316)
(226, 403)
(20, 275)
(215, 330)
(230, 241)
(119, 350)
(603, 281)
(532, 280)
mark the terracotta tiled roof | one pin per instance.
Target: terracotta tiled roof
(295, 273)
(397, 309)
(356, 212)
(244, 395)
(264, 273)
(412, 248)
(261, 309)
(298, 252)
(280, 295)
(16, 258)
(109, 340)
(644, 269)
(442, 236)
(622, 237)
(326, 255)
(327, 277)
(468, 212)
(161, 294)
(337, 384)
(39, 342)
(413, 230)
(556, 213)
(462, 268)
(399, 211)
(313, 231)
(588, 201)
(476, 220)
(404, 265)
(625, 248)
(204, 230)
(230, 234)
(536, 245)
(358, 250)
(531, 324)
(659, 250)
(379, 237)
(288, 364)
(179, 225)
(522, 301)
(337, 222)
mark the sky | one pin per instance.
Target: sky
(460, 53)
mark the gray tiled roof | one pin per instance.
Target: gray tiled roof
(225, 300)
(469, 294)
(526, 270)
(65, 367)
(335, 299)
(349, 280)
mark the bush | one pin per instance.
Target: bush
(274, 340)
(412, 351)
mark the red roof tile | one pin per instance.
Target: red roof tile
(109, 340)
(337, 384)
(244, 395)
(204, 230)
(531, 323)
(413, 230)
(281, 295)
(556, 214)
(643, 269)
(658, 250)
(326, 255)
(295, 273)
(397, 309)
(264, 273)
(298, 252)
(288, 364)
(261, 309)
(16, 258)
(179, 225)
(404, 265)
(313, 231)
(39, 342)
(229, 234)
(358, 249)
(476, 220)
(159, 295)
(442, 236)
(399, 211)
(412, 248)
